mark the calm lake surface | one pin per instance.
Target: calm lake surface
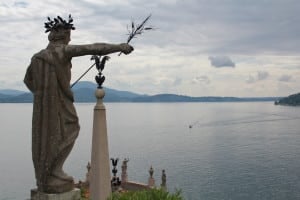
(232, 151)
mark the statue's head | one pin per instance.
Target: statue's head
(60, 29)
(60, 35)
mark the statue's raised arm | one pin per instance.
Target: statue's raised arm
(96, 49)
(55, 125)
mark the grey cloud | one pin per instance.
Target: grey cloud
(250, 79)
(235, 27)
(4, 5)
(177, 81)
(285, 78)
(221, 61)
(259, 76)
(185, 28)
(262, 75)
(2, 82)
(21, 4)
(201, 79)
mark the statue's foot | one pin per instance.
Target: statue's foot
(62, 175)
(56, 185)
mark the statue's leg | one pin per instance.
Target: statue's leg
(58, 171)
(58, 181)
(69, 129)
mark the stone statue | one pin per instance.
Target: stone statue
(151, 172)
(55, 124)
(124, 164)
(151, 180)
(163, 179)
(124, 176)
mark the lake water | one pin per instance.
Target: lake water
(232, 151)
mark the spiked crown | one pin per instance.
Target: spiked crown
(59, 22)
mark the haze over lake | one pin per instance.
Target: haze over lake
(211, 151)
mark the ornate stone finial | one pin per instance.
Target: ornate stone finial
(163, 180)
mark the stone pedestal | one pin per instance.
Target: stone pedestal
(151, 182)
(71, 195)
(100, 186)
(124, 177)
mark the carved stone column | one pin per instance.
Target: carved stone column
(100, 187)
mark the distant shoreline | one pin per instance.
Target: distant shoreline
(84, 93)
(163, 98)
(292, 100)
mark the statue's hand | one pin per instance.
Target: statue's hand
(126, 48)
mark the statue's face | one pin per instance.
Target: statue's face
(68, 38)
(61, 36)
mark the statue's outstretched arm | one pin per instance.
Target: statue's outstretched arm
(96, 49)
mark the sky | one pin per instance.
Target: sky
(241, 48)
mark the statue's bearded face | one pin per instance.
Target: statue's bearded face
(60, 35)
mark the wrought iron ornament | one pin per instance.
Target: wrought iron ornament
(100, 64)
(115, 181)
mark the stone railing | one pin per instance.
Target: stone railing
(125, 184)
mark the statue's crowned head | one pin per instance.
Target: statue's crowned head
(59, 29)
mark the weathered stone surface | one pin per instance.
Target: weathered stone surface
(100, 185)
(151, 180)
(56, 185)
(71, 195)
(124, 175)
(55, 124)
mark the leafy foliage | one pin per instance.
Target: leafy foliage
(84, 193)
(153, 194)
(59, 22)
(292, 100)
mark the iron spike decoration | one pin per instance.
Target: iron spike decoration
(137, 30)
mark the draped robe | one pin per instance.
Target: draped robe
(55, 124)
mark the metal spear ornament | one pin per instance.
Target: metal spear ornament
(136, 29)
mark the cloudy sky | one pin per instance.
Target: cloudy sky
(240, 48)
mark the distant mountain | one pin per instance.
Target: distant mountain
(22, 98)
(84, 84)
(11, 92)
(84, 91)
(182, 98)
(292, 100)
(14, 96)
(4, 96)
